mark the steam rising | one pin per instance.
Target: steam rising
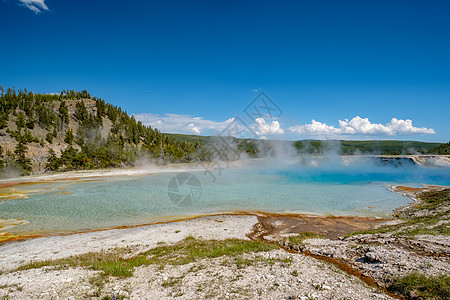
(327, 165)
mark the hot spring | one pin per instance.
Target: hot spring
(358, 188)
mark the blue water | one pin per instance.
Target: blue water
(76, 205)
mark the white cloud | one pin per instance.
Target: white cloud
(37, 6)
(193, 128)
(186, 124)
(263, 128)
(173, 123)
(360, 126)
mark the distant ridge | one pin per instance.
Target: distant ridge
(343, 147)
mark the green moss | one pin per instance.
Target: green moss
(442, 229)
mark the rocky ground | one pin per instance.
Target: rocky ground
(239, 257)
(271, 274)
(416, 242)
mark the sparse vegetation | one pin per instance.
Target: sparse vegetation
(428, 217)
(420, 286)
(186, 251)
(299, 238)
(171, 281)
(318, 286)
(114, 297)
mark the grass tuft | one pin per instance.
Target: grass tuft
(188, 250)
(420, 286)
(172, 281)
(299, 238)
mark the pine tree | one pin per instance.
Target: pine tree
(21, 159)
(81, 112)
(20, 122)
(4, 117)
(53, 162)
(30, 124)
(28, 138)
(69, 137)
(70, 158)
(49, 137)
(64, 112)
(2, 161)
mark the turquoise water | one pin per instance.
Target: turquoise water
(103, 202)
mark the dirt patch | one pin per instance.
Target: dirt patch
(330, 227)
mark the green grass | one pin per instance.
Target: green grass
(299, 238)
(411, 227)
(243, 262)
(442, 229)
(186, 251)
(433, 199)
(419, 286)
(414, 224)
(191, 249)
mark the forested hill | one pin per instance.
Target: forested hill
(72, 130)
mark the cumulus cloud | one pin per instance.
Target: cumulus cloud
(263, 128)
(173, 123)
(37, 6)
(193, 128)
(187, 124)
(361, 126)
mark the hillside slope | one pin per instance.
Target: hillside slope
(73, 130)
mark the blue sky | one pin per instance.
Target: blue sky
(192, 66)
